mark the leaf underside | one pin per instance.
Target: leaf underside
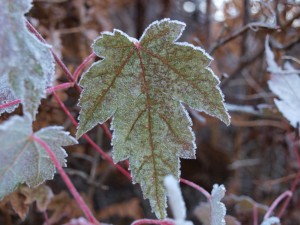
(284, 83)
(27, 64)
(142, 84)
(24, 161)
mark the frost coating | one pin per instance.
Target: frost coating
(218, 209)
(142, 84)
(175, 197)
(24, 161)
(176, 201)
(25, 61)
(271, 221)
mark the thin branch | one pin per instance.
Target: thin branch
(256, 123)
(291, 58)
(242, 30)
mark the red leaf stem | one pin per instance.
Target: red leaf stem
(49, 90)
(10, 103)
(255, 214)
(82, 65)
(197, 187)
(59, 87)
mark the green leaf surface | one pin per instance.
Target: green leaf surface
(26, 63)
(24, 161)
(142, 84)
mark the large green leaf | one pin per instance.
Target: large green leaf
(24, 161)
(26, 63)
(142, 84)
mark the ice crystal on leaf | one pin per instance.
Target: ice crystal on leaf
(142, 85)
(26, 63)
(24, 161)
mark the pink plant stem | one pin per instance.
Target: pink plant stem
(197, 187)
(148, 221)
(276, 202)
(297, 178)
(89, 140)
(46, 218)
(82, 65)
(255, 215)
(59, 87)
(67, 181)
(14, 102)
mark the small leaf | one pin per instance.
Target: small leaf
(218, 209)
(285, 84)
(24, 161)
(142, 84)
(26, 63)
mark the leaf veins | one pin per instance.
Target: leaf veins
(142, 85)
